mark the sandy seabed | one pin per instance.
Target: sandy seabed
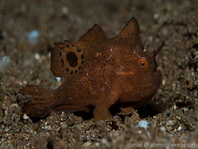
(29, 28)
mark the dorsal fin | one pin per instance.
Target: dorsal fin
(56, 66)
(131, 31)
(66, 59)
(93, 36)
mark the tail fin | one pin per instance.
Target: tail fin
(41, 103)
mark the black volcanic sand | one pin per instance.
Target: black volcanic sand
(172, 113)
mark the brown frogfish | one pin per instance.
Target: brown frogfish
(97, 73)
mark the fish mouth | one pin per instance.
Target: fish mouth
(158, 77)
(152, 87)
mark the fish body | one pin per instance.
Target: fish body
(98, 72)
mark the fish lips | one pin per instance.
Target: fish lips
(147, 91)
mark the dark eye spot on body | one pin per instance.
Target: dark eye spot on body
(72, 59)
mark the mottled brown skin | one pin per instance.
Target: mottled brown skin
(98, 72)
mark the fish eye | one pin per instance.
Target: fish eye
(143, 62)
